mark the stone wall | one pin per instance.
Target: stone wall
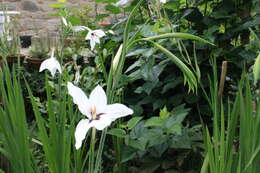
(35, 14)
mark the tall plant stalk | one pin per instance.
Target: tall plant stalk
(236, 121)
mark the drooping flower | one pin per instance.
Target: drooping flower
(99, 114)
(74, 28)
(94, 37)
(121, 3)
(80, 28)
(51, 64)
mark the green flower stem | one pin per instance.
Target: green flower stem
(102, 63)
(92, 151)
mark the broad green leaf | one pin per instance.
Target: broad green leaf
(132, 123)
(117, 132)
(139, 143)
(175, 129)
(128, 153)
(113, 9)
(154, 121)
(174, 5)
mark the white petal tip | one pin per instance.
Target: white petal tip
(130, 111)
(77, 146)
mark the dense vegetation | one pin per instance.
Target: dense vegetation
(189, 70)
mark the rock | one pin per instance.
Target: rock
(39, 16)
(46, 7)
(31, 24)
(29, 6)
(14, 0)
(12, 6)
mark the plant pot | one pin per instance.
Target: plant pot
(13, 59)
(34, 62)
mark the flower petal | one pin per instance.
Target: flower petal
(79, 28)
(88, 37)
(121, 3)
(98, 98)
(117, 110)
(92, 44)
(51, 64)
(96, 39)
(57, 65)
(80, 99)
(163, 1)
(102, 123)
(81, 131)
(99, 33)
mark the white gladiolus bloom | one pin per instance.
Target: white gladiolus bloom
(94, 37)
(163, 1)
(99, 114)
(80, 28)
(51, 64)
(121, 3)
(74, 28)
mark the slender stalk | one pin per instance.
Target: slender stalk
(92, 152)
(222, 78)
(102, 64)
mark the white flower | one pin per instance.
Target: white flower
(94, 37)
(80, 28)
(77, 77)
(52, 64)
(121, 3)
(64, 21)
(99, 114)
(111, 32)
(117, 58)
(74, 28)
(163, 1)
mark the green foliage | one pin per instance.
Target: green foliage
(81, 16)
(156, 49)
(242, 112)
(40, 47)
(55, 133)
(9, 43)
(13, 124)
(150, 139)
